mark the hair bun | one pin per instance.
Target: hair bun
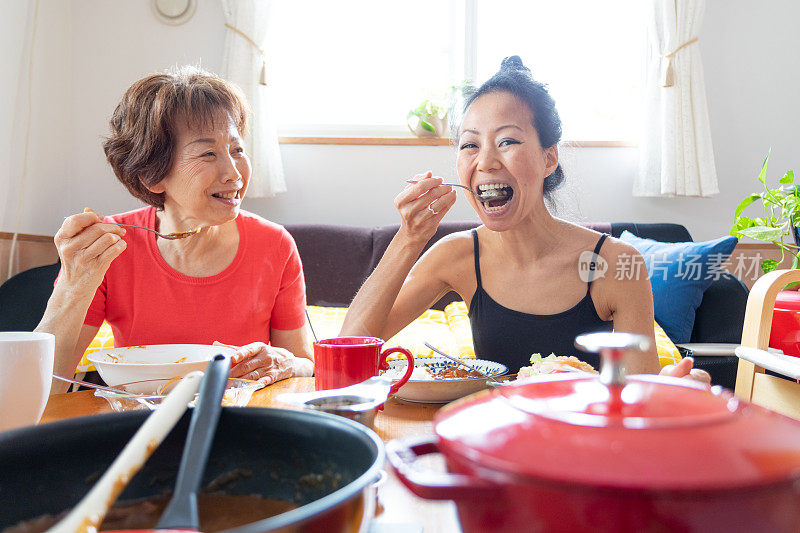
(513, 63)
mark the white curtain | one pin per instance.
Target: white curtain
(676, 157)
(244, 64)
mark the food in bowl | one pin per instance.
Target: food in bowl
(158, 361)
(554, 364)
(426, 373)
(423, 387)
(149, 394)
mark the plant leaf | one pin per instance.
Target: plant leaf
(741, 223)
(762, 233)
(762, 176)
(427, 125)
(768, 265)
(745, 203)
(772, 196)
(788, 177)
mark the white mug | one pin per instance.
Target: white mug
(26, 371)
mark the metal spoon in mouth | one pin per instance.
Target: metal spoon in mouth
(485, 196)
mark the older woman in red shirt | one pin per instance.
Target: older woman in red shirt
(176, 144)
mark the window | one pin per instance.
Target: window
(355, 67)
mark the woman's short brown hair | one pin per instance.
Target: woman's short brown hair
(141, 147)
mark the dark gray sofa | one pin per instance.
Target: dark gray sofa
(337, 260)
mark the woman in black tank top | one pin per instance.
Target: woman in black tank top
(510, 337)
(519, 272)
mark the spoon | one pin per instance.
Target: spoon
(460, 362)
(491, 194)
(169, 236)
(91, 385)
(181, 511)
(90, 511)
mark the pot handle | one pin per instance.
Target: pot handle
(428, 484)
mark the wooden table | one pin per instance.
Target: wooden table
(398, 419)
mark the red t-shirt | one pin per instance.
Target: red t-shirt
(148, 302)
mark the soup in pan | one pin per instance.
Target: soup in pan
(218, 511)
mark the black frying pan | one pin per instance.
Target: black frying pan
(47, 469)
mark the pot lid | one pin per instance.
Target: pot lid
(788, 300)
(646, 432)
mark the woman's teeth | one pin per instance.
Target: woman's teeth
(494, 196)
(226, 195)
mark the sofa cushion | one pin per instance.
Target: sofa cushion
(336, 260)
(659, 231)
(679, 274)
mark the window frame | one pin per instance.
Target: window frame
(371, 134)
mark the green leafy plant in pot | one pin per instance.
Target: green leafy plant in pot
(782, 209)
(428, 119)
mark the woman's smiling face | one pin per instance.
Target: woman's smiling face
(209, 174)
(498, 148)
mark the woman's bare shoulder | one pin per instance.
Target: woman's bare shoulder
(612, 248)
(448, 255)
(617, 250)
(456, 242)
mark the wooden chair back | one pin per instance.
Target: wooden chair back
(752, 382)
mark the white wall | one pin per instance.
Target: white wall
(89, 51)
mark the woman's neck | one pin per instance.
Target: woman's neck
(204, 254)
(536, 236)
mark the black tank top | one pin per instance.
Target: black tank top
(510, 337)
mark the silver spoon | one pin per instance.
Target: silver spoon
(462, 363)
(491, 194)
(92, 385)
(169, 236)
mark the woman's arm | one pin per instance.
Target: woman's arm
(631, 305)
(86, 249)
(66, 366)
(298, 342)
(631, 302)
(287, 355)
(376, 310)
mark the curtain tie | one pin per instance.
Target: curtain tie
(262, 79)
(668, 78)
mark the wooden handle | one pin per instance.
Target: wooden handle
(90, 511)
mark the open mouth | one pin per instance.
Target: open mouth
(494, 196)
(228, 195)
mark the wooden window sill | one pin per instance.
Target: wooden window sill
(382, 141)
(427, 141)
(26, 237)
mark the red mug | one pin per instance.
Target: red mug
(344, 361)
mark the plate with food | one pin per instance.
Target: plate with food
(155, 361)
(438, 380)
(554, 364)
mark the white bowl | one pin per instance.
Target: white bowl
(443, 390)
(157, 361)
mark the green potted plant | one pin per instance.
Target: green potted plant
(782, 209)
(428, 119)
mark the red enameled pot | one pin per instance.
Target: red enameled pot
(581, 453)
